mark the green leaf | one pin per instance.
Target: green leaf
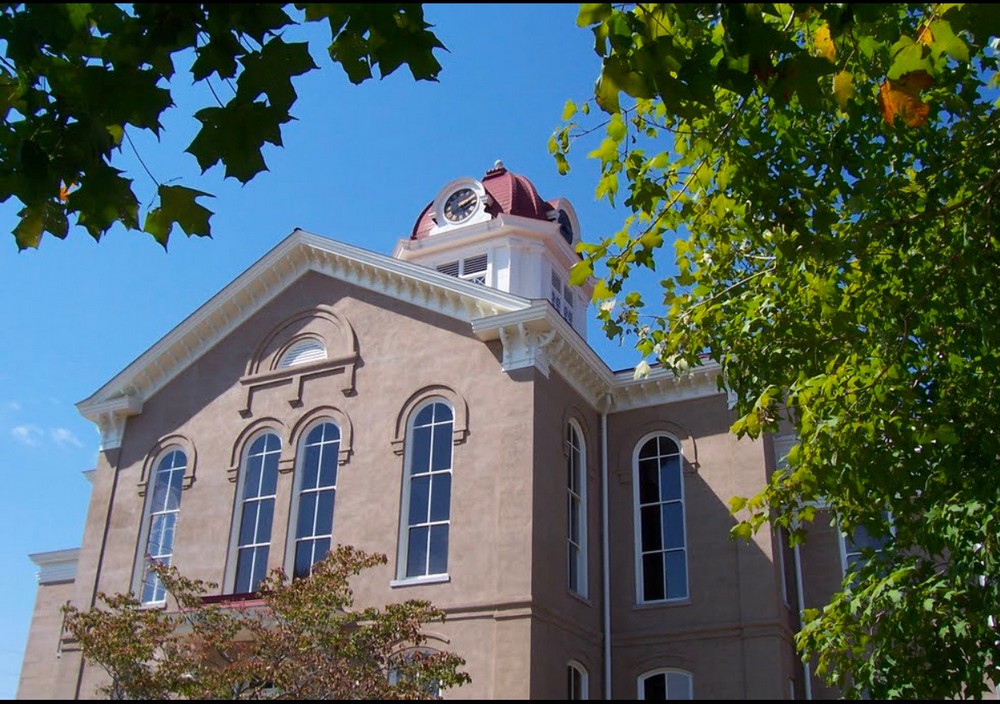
(234, 135)
(178, 205)
(592, 13)
(270, 71)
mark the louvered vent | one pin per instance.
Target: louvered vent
(303, 352)
(474, 265)
(451, 268)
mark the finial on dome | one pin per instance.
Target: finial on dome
(498, 165)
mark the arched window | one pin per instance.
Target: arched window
(258, 482)
(577, 681)
(576, 511)
(426, 492)
(666, 683)
(163, 509)
(315, 493)
(661, 547)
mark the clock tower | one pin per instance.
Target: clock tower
(498, 232)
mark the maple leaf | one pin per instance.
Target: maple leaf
(902, 98)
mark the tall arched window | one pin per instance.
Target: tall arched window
(666, 683)
(576, 511)
(426, 492)
(661, 547)
(164, 507)
(577, 681)
(315, 493)
(259, 482)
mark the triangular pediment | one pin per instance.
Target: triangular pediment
(298, 254)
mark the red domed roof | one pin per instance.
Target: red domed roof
(512, 194)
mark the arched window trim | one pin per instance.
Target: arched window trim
(584, 679)
(286, 462)
(637, 518)
(641, 681)
(404, 504)
(583, 582)
(163, 449)
(459, 409)
(249, 437)
(300, 435)
(163, 445)
(332, 414)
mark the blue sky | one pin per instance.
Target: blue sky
(358, 166)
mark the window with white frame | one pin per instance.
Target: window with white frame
(561, 297)
(577, 684)
(258, 484)
(856, 546)
(426, 502)
(315, 495)
(666, 683)
(471, 269)
(405, 668)
(164, 508)
(576, 511)
(661, 547)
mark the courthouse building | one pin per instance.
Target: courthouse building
(442, 406)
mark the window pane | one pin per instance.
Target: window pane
(303, 559)
(248, 522)
(416, 552)
(676, 570)
(648, 450)
(269, 482)
(259, 566)
(442, 412)
(673, 525)
(651, 530)
(574, 568)
(441, 497)
(328, 469)
(442, 447)
(655, 688)
(310, 473)
(264, 516)
(251, 485)
(439, 550)
(320, 548)
(161, 535)
(649, 481)
(419, 499)
(174, 481)
(678, 686)
(652, 577)
(574, 519)
(421, 457)
(667, 446)
(244, 567)
(307, 514)
(324, 514)
(425, 417)
(670, 478)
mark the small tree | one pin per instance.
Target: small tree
(301, 639)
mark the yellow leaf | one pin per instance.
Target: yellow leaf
(902, 98)
(926, 36)
(823, 44)
(843, 88)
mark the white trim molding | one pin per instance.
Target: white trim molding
(57, 566)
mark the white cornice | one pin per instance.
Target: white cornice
(56, 566)
(526, 331)
(296, 255)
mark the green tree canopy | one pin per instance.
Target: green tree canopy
(76, 78)
(831, 173)
(301, 640)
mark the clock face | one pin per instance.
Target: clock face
(460, 205)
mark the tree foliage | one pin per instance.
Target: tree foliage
(301, 639)
(77, 78)
(831, 174)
